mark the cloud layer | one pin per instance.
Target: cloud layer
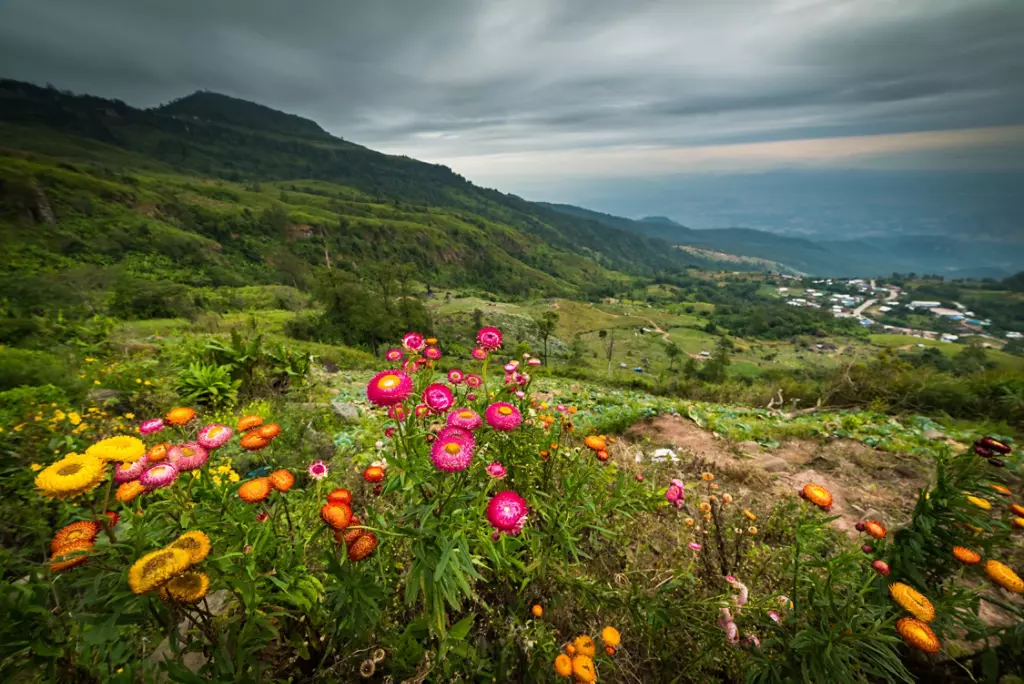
(583, 87)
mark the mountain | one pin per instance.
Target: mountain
(867, 256)
(210, 190)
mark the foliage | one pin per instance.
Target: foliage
(208, 385)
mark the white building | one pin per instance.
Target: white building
(924, 305)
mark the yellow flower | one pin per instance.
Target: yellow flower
(234, 477)
(187, 588)
(707, 477)
(93, 409)
(979, 502)
(72, 475)
(95, 382)
(19, 427)
(147, 383)
(1002, 575)
(35, 467)
(216, 480)
(611, 637)
(750, 516)
(155, 568)
(752, 530)
(59, 415)
(89, 359)
(918, 634)
(196, 543)
(123, 448)
(705, 507)
(74, 418)
(912, 601)
(138, 380)
(129, 416)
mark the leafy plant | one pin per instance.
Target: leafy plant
(208, 384)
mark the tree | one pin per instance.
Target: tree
(546, 328)
(672, 351)
(609, 347)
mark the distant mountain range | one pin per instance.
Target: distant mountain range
(870, 256)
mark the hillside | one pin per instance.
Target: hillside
(243, 193)
(876, 256)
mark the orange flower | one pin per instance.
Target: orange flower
(912, 601)
(351, 533)
(966, 555)
(609, 650)
(918, 635)
(179, 416)
(128, 491)
(875, 529)
(1017, 508)
(595, 442)
(269, 431)
(611, 637)
(70, 555)
(338, 516)
(281, 480)
(1000, 489)
(585, 646)
(563, 665)
(339, 496)
(583, 669)
(83, 530)
(373, 474)
(255, 490)
(983, 504)
(253, 442)
(537, 610)
(158, 452)
(1002, 575)
(602, 455)
(246, 423)
(1017, 523)
(817, 495)
(570, 648)
(362, 547)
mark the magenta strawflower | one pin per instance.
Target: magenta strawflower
(479, 353)
(421, 410)
(396, 412)
(214, 436)
(317, 470)
(432, 353)
(675, 495)
(151, 426)
(465, 418)
(390, 432)
(471, 397)
(159, 475)
(126, 472)
(497, 471)
(452, 450)
(413, 341)
(695, 546)
(503, 416)
(489, 338)
(394, 355)
(533, 362)
(474, 380)
(186, 457)
(438, 397)
(506, 512)
(455, 376)
(389, 387)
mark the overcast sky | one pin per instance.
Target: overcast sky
(516, 92)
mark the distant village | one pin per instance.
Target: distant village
(857, 296)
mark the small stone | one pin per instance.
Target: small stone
(934, 434)
(775, 465)
(346, 410)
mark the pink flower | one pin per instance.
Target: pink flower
(753, 640)
(390, 431)
(511, 366)
(188, 456)
(562, 407)
(489, 338)
(465, 418)
(389, 387)
(126, 472)
(775, 615)
(479, 353)
(695, 546)
(318, 470)
(413, 341)
(503, 417)
(471, 396)
(520, 394)
(474, 380)
(497, 471)
(678, 483)
(674, 496)
(438, 397)
(262, 517)
(214, 436)
(506, 511)
(151, 426)
(396, 412)
(455, 376)
(452, 450)
(740, 599)
(421, 410)
(432, 353)
(159, 475)
(247, 548)
(533, 362)
(394, 355)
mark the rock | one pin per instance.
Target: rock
(775, 465)
(934, 434)
(104, 396)
(346, 410)
(218, 602)
(904, 470)
(662, 455)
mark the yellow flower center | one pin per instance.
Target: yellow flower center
(214, 432)
(452, 448)
(389, 382)
(505, 410)
(465, 414)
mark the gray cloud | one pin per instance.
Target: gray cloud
(448, 79)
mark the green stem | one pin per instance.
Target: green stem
(796, 569)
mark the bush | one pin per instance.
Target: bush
(24, 367)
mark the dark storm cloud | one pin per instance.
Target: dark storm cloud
(450, 79)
